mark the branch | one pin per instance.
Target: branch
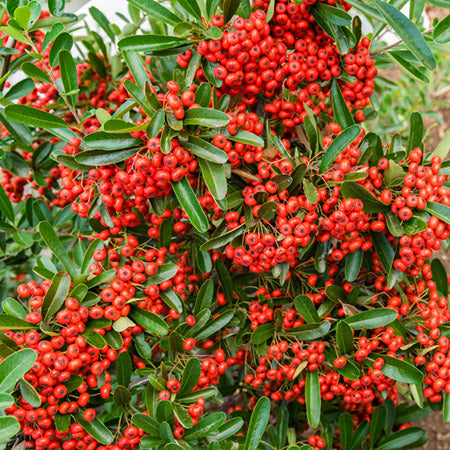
(6, 60)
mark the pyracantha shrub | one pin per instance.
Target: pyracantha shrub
(202, 246)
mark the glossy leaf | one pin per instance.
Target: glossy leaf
(309, 332)
(206, 425)
(306, 309)
(205, 117)
(400, 370)
(408, 32)
(6, 206)
(403, 439)
(55, 296)
(52, 241)
(313, 399)
(29, 394)
(13, 323)
(341, 112)
(439, 276)
(9, 427)
(124, 367)
(190, 204)
(351, 189)
(150, 42)
(344, 337)
(68, 70)
(373, 318)
(439, 210)
(97, 158)
(14, 367)
(156, 10)
(34, 117)
(353, 263)
(149, 320)
(165, 273)
(191, 375)
(258, 423)
(338, 145)
(205, 150)
(215, 325)
(96, 428)
(384, 250)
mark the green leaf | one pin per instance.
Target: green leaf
(6, 206)
(441, 32)
(407, 66)
(165, 273)
(101, 19)
(341, 113)
(334, 15)
(13, 323)
(313, 399)
(14, 367)
(6, 401)
(408, 32)
(205, 426)
(416, 132)
(338, 145)
(55, 245)
(400, 370)
(97, 158)
(35, 72)
(384, 250)
(9, 427)
(94, 339)
(124, 368)
(377, 422)
(223, 239)
(205, 150)
(29, 394)
(13, 308)
(171, 298)
(351, 189)
(154, 9)
(229, 428)
(96, 428)
(214, 177)
(439, 276)
(393, 224)
(353, 263)
(156, 123)
(373, 318)
(310, 191)
(190, 204)
(146, 423)
(63, 41)
(258, 423)
(101, 140)
(149, 320)
(191, 375)
(215, 325)
(310, 331)
(20, 89)
(446, 408)
(439, 210)
(306, 309)
(344, 337)
(192, 7)
(247, 138)
(204, 297)
(345, 426)
(206, 117)
(183, 416)
(15, 34)
(408, 438)
(68, 71)
(150, 42)
(229, 9)
(443, 147)
(55, 296)
(262, 333)
(34, 117)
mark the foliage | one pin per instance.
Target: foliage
(202, 246)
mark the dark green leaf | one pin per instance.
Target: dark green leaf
(215, 325)
(214, 177)
(97, 158)
(191, 375)
(96, 428)
(400, 370)
(333, 15)
(446, 408)
(190, 204)
(55, 245)
(205, 426)
(338, 145)
(262, 333)
(68, 71)
(313, 398)
(6, 206)
(310, 191)
(441, 32)
(55, 296)
(101, 19)
(156, 10)
(13, 308)
(408, 67)
(156, 123)
(100, 140)
(258, 423)
(63, 41)
(351, 189)
(150, 321)
(407, 438)
(341, 112)
(29, 394)
(384, 250)
(306, 309)
(124, 367)
(353, 263)
(150, 42)
(373, 318)
(439, 276)
(34, 117)
(439, 210)
(205, 150)
(13, 323)
(310, 331)
(204, 297)
(94, 339)
(416, 132)
(14, 367)
(20, 89)
(408, 32)
(344, 337)
(206, 117)
(9, 427)
(165, 273)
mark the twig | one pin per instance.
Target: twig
(6, 60)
